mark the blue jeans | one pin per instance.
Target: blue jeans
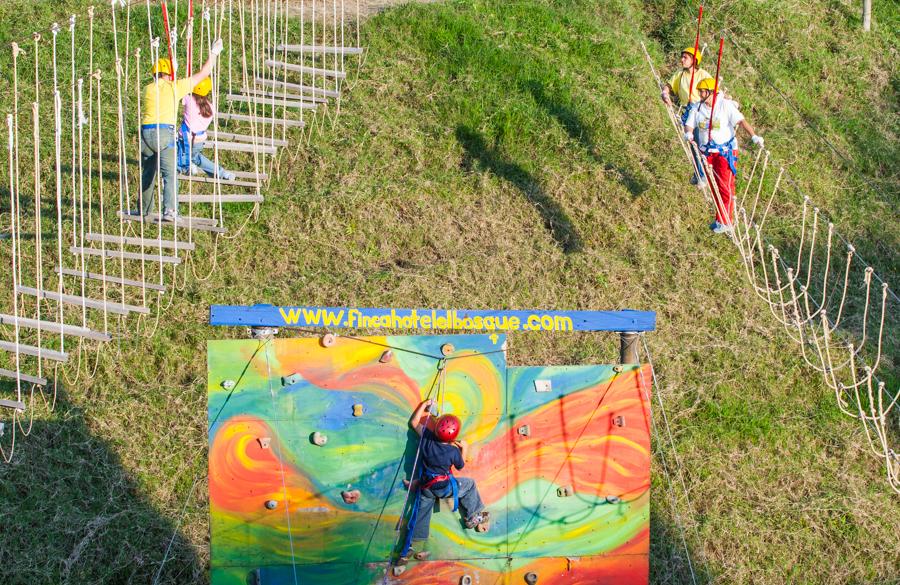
(695, 153)
(195, 152)
(158, 148)
(469, 505)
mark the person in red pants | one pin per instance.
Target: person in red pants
(719, 146)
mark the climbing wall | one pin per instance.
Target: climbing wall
(561, 457)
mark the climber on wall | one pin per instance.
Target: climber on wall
(160, 110)
(686, 94)
(719, 146)
(440, 452)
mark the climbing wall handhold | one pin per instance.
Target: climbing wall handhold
(386, 357)
(543, 386)
(531, 578)
(290, 380)
(318, 439)
(271, 504)
(613, 499)
(351, 496)
(565, 491)
(465, 580)
(398, 571)
(447, 349)
(357, 410)
(619, 421)
(617, 369)
(264, 442)
(524, 431)
(228, 384)
(328, 340)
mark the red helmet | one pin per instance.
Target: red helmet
(447, 428)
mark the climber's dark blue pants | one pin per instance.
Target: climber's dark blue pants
(469, 505)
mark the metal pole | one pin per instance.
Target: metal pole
(628, 348)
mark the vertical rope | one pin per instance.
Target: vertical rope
(14, 206)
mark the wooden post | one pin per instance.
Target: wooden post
(867, 15)
(628, 348)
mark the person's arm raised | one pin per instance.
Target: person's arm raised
(207, 68)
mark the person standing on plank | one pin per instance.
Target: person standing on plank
(440, 452)
(719, 146)
(198, 115)
(686, 96)
(160, 110)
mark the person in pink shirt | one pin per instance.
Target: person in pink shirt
(198, 115)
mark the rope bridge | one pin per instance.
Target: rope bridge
(84, 268)
(832, 303)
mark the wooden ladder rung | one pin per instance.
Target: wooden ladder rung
(23, 377)
(248, 198)
(194, 223)
(272, 102)
(326, 49)
(258, 120)
(213, 145)
(252, 138)
(13, 404)
(296, 68)
(291, 96)
(234, 183)
(110, 306)
(142, 242)
(297, 87)
(112, 279)
(77, 250)
(54, 327)
(41, 352)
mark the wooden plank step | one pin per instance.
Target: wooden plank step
(212, 145)
(321, 49)
(253, 139)
(14, 404)
(247, 198)
(24, 377)
(77, 250)
(298, 87)
(111, 306)
(54, 327)
(264, 101)
(291, 96)
(143, 242)
(297, 68)
(194, 223)
(258, 120)
(42, 352)
(112, 279)
(234, 183)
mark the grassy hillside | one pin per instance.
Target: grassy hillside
(513, 155)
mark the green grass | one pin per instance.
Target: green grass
(513, 155)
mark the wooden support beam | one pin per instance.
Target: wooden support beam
(320, 49)
(13, 404)
(77, 250)
(212, 145)
(284, 102)
(248, 198)
(298, 87)
(253, 139)
(280, 94)
(297, 68)
(54, 327)
(258, 120)
(110, 306)
(41, 352)
(112, 279)
(234, 183)
(142, 242)
(25, 378)
(195, 223)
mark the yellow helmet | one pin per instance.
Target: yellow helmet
(163, 66)
(707, 83)
(698, 56)
(204, 87)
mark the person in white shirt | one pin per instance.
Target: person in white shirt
(719, 146)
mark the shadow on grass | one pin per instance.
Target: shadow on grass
(72, 514)
(578, 131)
(479, 154)
(672, 562)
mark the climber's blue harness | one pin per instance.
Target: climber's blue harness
(185, 141)
(727, 150)
(430, 479)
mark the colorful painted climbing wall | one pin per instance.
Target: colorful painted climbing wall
(561, 457)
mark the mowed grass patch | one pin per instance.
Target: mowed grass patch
(490, 155)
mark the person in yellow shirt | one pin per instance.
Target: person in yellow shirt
(686, 96)
(158, 150)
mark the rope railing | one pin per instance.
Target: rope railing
(822, 297)
(66, 294)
